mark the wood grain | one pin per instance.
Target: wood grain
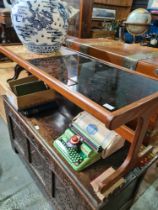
(117, 52)
(7, 72)
(115, 2)
(140, 110)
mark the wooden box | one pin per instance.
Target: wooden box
(29, 100)
(95, 33)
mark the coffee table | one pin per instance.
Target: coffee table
(112, 94)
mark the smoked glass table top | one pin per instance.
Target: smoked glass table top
(108, 86)
(103, 84)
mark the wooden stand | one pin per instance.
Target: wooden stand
(141, 109)
(32, 140)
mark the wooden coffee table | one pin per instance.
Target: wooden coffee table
(112, 94)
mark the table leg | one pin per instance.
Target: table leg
(132, 157)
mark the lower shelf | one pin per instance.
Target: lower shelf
(63, 187)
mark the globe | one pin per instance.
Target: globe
(138, 21)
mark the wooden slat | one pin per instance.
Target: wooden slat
(115, 2)
(126, 133)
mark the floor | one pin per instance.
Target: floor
(19, 192)
(17, 189)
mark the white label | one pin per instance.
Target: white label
(108, 106)
(74, 78)
(37, 127)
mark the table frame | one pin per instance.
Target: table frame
(140, 110)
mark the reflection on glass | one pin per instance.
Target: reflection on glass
(108, 86)
(73, 29)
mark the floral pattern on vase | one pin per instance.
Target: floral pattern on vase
(41, 24)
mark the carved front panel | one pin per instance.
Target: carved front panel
(19, 140)
(66, 194)
(67, 197)
(49, 178)
(37, 162)
(41, 167)
(19, 124)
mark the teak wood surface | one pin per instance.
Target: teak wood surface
(115, 2)
(141, 109)
(118, 52)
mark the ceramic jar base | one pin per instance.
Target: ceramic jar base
(43, 49)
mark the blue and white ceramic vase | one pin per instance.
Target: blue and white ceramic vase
(41, 25)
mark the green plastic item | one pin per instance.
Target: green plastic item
(79, 158)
